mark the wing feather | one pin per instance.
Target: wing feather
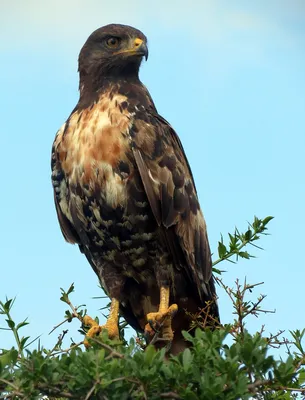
(60, 191)
(69, 233)
(171, 191)
(148, 185)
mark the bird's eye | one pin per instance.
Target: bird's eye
(113, 42)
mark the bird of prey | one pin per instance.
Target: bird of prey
(124, 192)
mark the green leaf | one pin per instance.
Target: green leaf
(10, 323)
(23, 341)
(187, 359)
(248, 234)
(149, 354)
(65, 295)
(71, 289)
(9, 357)
(21, 324)
(187, 336)
(6, 307)
(68, 315)
(222, 250)
(301, 377)
(190, 396)
(267, 219)
(244, 254)
(218, 271)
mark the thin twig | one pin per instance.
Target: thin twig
(90, 392)
(16, 390)
(61, 323)
(55, 391)
(75, 314)
(300, 363)
(169, 395)
(269, 385)
(67, 350)
(300, 390)
(59, 340)
(252, 387)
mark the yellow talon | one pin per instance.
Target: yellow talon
(162, 317)
(111, 324)
(94, 330)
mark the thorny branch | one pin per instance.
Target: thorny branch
(75, 314)
(242, 309)
(268, 385)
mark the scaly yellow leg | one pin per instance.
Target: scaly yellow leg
(112, 323)
(163, 316)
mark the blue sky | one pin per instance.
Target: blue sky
(229, 76)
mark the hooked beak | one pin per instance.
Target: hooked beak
(141, 48)
(138, 48)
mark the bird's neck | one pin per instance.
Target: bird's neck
(91, 86)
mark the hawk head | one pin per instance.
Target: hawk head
(113, 51)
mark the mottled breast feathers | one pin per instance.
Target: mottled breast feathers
(86, 151)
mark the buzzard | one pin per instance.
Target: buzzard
(124, 192)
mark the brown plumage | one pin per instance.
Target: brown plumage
(124, 191)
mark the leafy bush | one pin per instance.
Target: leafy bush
(228, 363)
